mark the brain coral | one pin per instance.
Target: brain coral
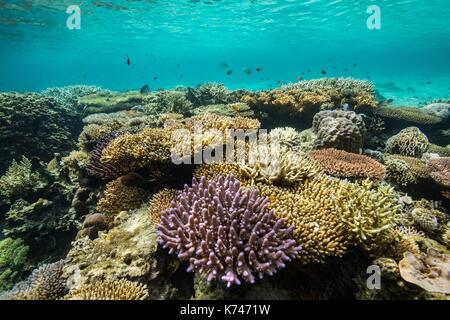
(440, 168)
(414, 115)
(109, 290)
(119, 197)
(34, 125)
(309, 208)
(368, 212)
(340, 163)
(408, 142)
(133, 151)
(344, 130)
(226, 232)
(45, 283)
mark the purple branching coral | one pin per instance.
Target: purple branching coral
(226, 231)
(96, 167)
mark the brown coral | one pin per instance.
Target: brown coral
(109, 290)
(160, 202)
(310, 209)
(348, 165)
(440, 168)
(414, 115)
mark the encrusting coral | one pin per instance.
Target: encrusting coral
(340, 163)
(226, 232)
(13, 255)
(45, 283)
(109, 290)
(368, 212)
(343, 130)
(309, 208)
(409, 142)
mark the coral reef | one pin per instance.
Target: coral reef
(32, 125)
(309, 208)
(68, 96)
(409, 142)
(108, 101)
(13, 255)
(412, 115)
(405, 171)
(228, 110)
(169, 102)
(160, 202)
(368, 212)
(45, 283)
(440, 168)
(96, 167)
(208, 93)
(340, 163)
(343, 130)
(226, 232)
(109, 290)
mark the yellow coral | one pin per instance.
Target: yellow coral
(160, 202)
(310, 209)
(109, 290)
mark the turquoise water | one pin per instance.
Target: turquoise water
(185, 42)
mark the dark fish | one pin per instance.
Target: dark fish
(323, 72)
(224, 65)
(155, 78)
(390, 100)
(229, 72)
(145, 90)
(259, 69)
(345, 69)
(429, 82)
(354, 64)
(309, 70)
(299, 78)
(128, 61)
(248, 71)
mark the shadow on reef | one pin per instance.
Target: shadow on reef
(356, 183)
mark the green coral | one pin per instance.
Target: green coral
(13, 255)
(105, 102)
(409, 142)
(169, 102)
(414, 115)
(20, 179)
(368, 212)
(32, 125)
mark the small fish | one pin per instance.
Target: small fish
(248, 71)
(259, 69)
(354, 64)
(229, 72)
(155, 78)
(128, 60)
(323, 72)
(145, 90)
(224, 65)
(429, 82)
(299, 78)
(345, 69)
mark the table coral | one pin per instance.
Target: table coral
(408, 142)
(109, 290)
(109, 101)
(226, 232)
(408, 114)
(340, 163)
(309, 208)
(368, 212)
(343, 130)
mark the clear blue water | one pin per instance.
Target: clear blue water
(182, 42)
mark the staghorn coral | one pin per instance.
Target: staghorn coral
(340, 163)
(96, 167)
(13, 255)
(429, 271)
(20, 179)
(45, 283)
(440, 168)
(32, 125)
(343, 130)
(109, 290)
(309, 209)
(413, 115)
(409, 142)
(278, 165)
(159, 203)
(226, 232)
(129, 152)
(119, 197)
(367, 212)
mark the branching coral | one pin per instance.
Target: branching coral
(309, 209)
(340, 163)
(408, 142)
(96, 167)
(440, 168)
(109, 290)
(45, 283)
(13, 255)
(208, 93)
(226, 232)
(343, 130)
(405, 171)
(20, 179)
(129, 152)
(161, 202)
(414, 115)
(169, 102)
(367, 212)
(119, 197)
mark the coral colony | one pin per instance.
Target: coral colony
(313, 180)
